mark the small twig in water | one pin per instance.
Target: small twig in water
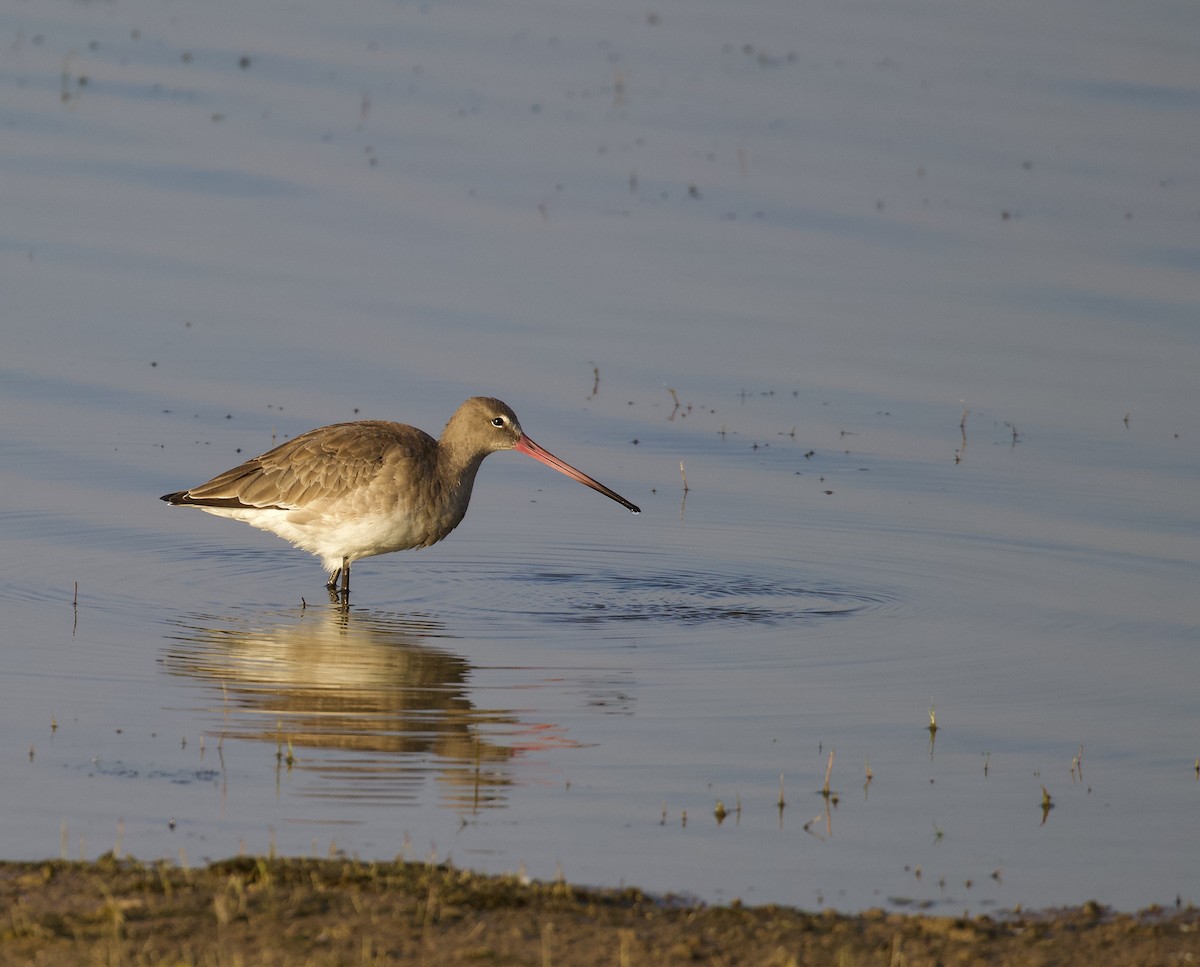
(675, 408)
(1047, 804)
(65, 95)
(683, 473)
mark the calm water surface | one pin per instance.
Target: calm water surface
(789, 249)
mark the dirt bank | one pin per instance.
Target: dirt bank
(259, 911)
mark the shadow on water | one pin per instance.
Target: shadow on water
(365, 704)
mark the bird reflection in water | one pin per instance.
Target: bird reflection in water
(370, 704)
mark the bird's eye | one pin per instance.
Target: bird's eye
(498, 422)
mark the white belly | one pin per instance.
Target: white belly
(334, 537)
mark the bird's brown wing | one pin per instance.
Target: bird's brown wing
(315, 467)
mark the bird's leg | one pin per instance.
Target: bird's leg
(331, 584)
(346, 577)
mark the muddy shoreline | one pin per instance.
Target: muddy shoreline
(304, 911)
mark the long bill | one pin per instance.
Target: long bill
(528, 447)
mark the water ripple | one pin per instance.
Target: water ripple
(691, 597)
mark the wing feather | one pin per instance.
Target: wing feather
(317, 467)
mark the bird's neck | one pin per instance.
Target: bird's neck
(457, 467)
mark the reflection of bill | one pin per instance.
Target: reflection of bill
(377, 708)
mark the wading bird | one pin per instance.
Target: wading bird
(354, 490)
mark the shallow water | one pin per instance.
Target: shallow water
(788, 250)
